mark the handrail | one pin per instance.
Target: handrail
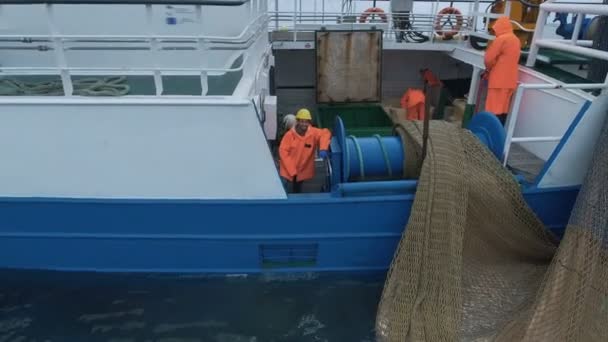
(309, 21)
(514, 115)
(255, 28)
(79, 71)
(572, 45)
(595, 8)
(146, 37)
(520, 26)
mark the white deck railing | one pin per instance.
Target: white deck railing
(300, 22)
(575, 46)
(297, 21)
(516, 106)
(202, 44)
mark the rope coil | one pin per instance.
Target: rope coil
(108, 86)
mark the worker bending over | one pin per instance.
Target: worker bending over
(502, 60)
(413, 101)
(297, 150)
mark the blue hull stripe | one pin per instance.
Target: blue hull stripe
(308, 233)
(200, 236)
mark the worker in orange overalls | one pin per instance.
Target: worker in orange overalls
(430, 78)
(502, 60)
(413, 101)
(433, 85)
(297, 150)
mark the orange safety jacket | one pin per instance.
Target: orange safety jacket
(413, 101)
(430, 78)
(502, 56)
(297, 152)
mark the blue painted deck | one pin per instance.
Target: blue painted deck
(303, 233)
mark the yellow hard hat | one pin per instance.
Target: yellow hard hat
(303, 114)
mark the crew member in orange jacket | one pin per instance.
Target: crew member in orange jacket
(501, 60)
(430, 78)
(297, 150)
(413, 102)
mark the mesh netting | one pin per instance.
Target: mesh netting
(476, 264)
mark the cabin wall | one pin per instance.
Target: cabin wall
(134, 149)
(401, 70)
(295, 75)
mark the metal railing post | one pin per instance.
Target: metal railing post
(295, 18)
(64, 72)
(158, 79)
(511, 120)
(474, 87)
(276, 14)
(202, 47)
(475, 17)
(323, 11)
(538, 34)
(515, 110)
(577, 27)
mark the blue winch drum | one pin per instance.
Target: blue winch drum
(488, 129)
(374, 157)
(382, 157)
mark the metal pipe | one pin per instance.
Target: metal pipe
(202, 47)
(536, 139)
(511, 119)
(434, 9)
(158, 79)
(276, 18)
(520, 26)
(475, 78)
(87, 71)
(577, 27)
(598, 9)
(540, 26)
(295, 18)
(426, 123)
(562, 86)
(127, 100)
(66, 79)
(585, 43)
(599, 54)
(475, 18)
(300, 10)
(323, 10)
(218, 39)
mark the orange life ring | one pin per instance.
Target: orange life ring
(455, 28)
(369, 11)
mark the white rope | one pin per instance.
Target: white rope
(109, 86)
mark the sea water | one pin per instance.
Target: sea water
(49, 306)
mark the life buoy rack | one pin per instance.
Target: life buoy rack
(370, 11)
(440, 27)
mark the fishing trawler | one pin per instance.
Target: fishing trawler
(139, 136)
